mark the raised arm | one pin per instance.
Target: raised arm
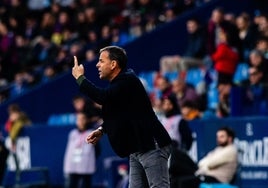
(78, 70)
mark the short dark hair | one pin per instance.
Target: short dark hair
(230, 132)
(118, 54)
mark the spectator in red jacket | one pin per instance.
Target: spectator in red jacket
(226, 56)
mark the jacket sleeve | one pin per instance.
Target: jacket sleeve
(186, 135)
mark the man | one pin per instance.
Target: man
(194, 53)
(176, 126)
(180, 163)
(79, 158)
(131, 125)
(255, 91)
(219, 165)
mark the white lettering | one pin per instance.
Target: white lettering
(253, 153)
(254, 175)
(22, 155)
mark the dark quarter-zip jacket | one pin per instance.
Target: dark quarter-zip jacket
(128, 117)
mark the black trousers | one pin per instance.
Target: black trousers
(3, 158)
(195, 181)
(80, 181)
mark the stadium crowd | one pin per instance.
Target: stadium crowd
(38, 38)
(226, 53)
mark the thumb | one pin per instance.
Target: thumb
(75, 61)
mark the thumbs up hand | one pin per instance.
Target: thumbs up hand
(77, 70)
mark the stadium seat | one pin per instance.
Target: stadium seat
(241, 73)
(172, 75)
(61, 119)
(148, 77)
(212, 95)
(194, 76)
(216, 185)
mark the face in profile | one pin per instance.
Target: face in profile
(81, 121)
(105, 66)
(222, 138)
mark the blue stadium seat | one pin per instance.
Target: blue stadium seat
(62, 119)
(194, 76)
(241, 73)
(172, 75)
(212, 95)
(149, 78)
(216, 185)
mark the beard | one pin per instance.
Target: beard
(223, 144)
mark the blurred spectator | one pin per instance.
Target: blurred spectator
(62, 62)
(190, 111)
(135, 29)
(47, 23)
(224, 106)
(62, 21)
(226, 56)
(151, 23)
(184, 91)
(76, 49)
(181, 136)
(169, 15)
(17, 119)
(48, 74)
(193, 55)
(8, 65)
(90, 55)
(163, 85)
(214, 24)
(123, 172)
(219, 165)
(247, 34)
(81, 24)
(91, 17)
(44, 51)
(174, 123)
(92, 41)
(82, 104)
(69, 37)
(23, 81)
(256, 59)
(80, 157)
(262, 46)
(105, 36)
(119, 36)
(256, 92)
(22, 53)
(31, 27)
(263, 24)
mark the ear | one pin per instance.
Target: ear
(113, 64)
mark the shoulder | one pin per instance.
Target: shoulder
(73, 132)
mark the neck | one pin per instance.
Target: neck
(115, 73)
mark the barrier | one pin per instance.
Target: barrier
(45, 146)
(251, 140)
